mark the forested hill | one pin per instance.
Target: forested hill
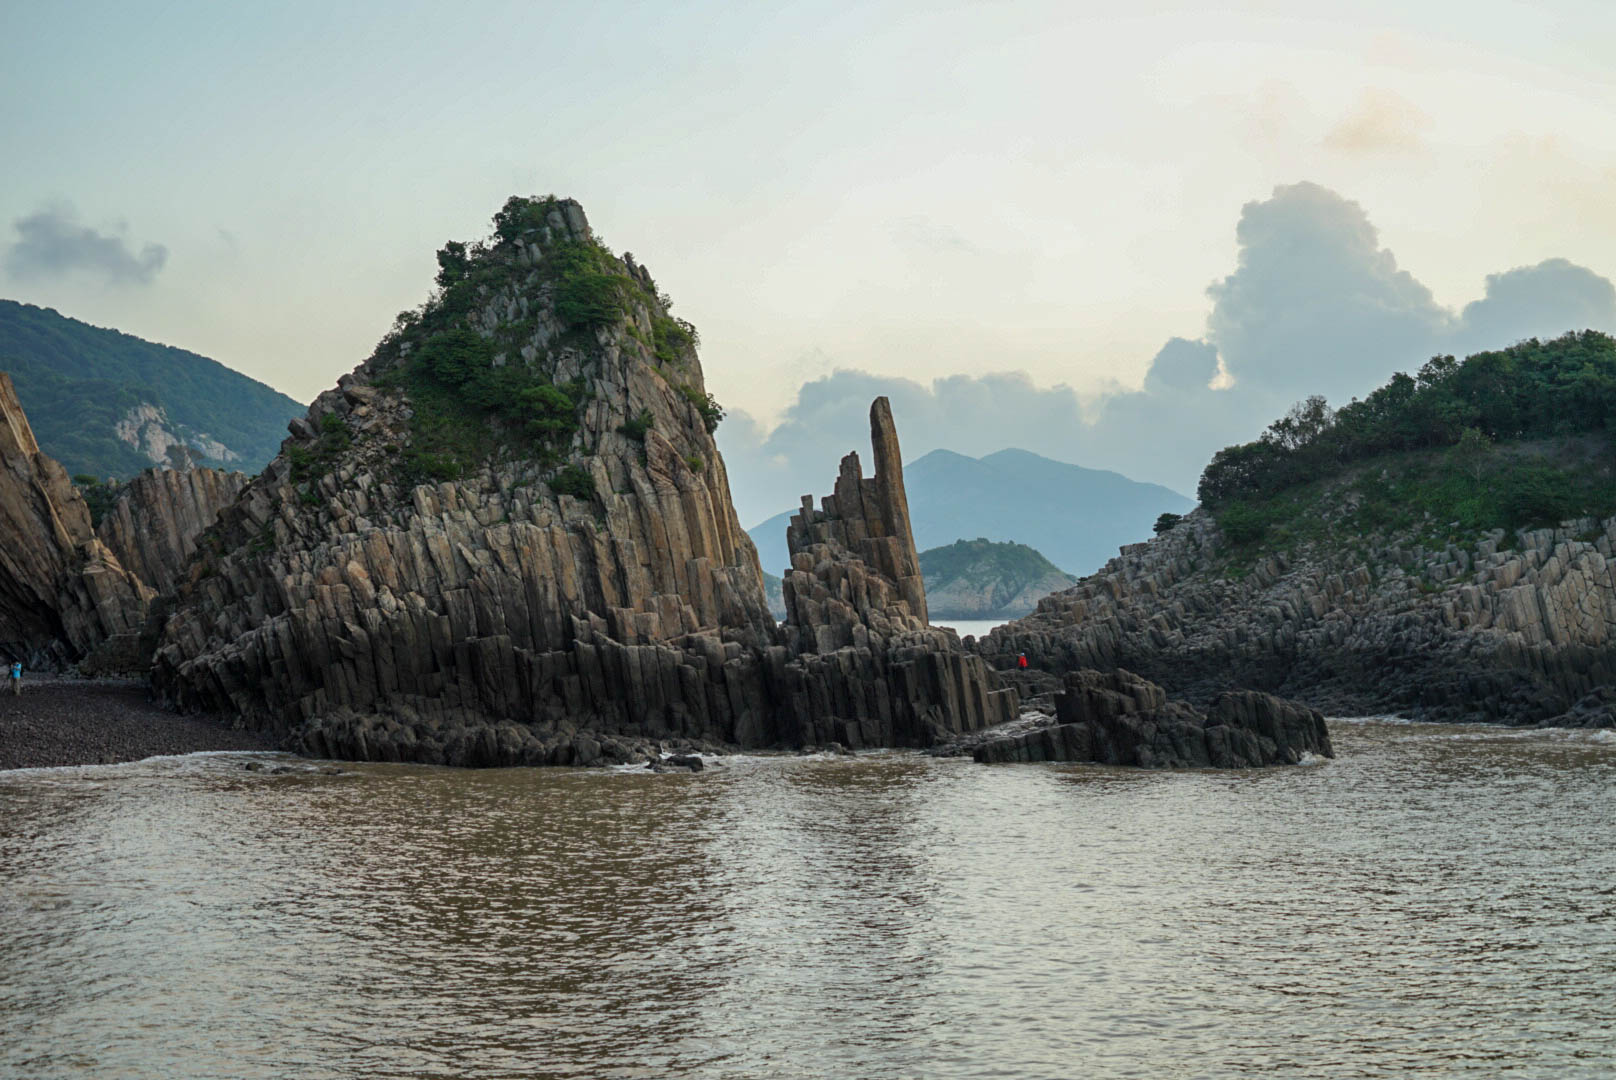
(108, 404)
(1515, 438)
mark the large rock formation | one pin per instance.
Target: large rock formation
(1515, 632)
(562, 580)
(63, 594)
(153, 526)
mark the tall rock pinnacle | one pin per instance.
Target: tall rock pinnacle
(894, 504)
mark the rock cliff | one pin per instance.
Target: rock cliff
(1514, 629)
(63, 594)
(153, 526)
(507, 537)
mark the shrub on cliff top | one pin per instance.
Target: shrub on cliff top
(1533, 390)
(473, 360)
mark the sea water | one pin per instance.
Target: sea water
(1436, 901)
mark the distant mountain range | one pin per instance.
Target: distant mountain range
(108, 404)
(1076, 517)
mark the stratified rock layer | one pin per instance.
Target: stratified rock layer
(1474, 633)
(153, 526)
(496, 620)
(63, 594)
(1117, 718)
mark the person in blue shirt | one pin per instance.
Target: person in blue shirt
(16, 676)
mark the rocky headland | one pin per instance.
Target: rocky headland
(63, 592)
(507, 538)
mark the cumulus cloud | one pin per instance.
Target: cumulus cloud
(972, 415)
(1539, 301)
(1315, 305)
(1182, 365)
(1382, 122)
(53, 243)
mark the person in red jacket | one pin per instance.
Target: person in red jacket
(1021, 661)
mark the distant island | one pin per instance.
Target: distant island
(1077, 518)
(986, 579)
(107, 404)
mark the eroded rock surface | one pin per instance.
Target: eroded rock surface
(63, 594)
(1487, 632)
(870, 670)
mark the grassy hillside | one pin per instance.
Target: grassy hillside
(1518, 438)
(77, 381)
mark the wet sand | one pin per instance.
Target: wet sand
(60, 721)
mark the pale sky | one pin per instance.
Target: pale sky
(1045, 188)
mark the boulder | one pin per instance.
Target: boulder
(1117, 718)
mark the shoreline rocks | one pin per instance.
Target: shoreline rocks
(66, 721)
(1117, 718)
(1480, 633)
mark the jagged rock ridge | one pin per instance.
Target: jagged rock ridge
(561, 600)
(153, 526)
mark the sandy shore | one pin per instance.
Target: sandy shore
(100, 721)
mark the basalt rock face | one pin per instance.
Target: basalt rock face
(568, 601)
(154, 525)
(1484, 632)
(856, 618)
(63, 594)
(1117, 718)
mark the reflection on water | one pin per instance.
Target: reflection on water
(1436, 900)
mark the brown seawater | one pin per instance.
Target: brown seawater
(1437, 901)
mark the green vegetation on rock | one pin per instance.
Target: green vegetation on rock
(99, 495)
(1512, 439)
(478, 361)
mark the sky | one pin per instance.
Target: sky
(1115, 237)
